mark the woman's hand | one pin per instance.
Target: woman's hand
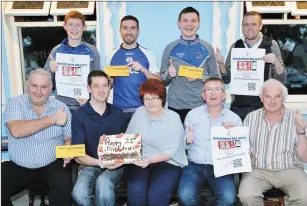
(143, 163)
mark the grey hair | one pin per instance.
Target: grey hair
(269, 82)
(42, 72)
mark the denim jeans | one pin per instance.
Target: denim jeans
(192, 180)
(104, 183)
(151, 186)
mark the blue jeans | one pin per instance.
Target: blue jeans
(192, 180)
(103, 181)
(152, 186)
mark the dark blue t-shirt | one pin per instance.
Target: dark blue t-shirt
(88, 126)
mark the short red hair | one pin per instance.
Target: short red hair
(74, 15)
(153, 87)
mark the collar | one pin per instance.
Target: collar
(90, 110)
(47, 105)
(222, 112)
(152, 120)
(65, 43)
(189, 41)
(137, 46)
(260, 36)
(281, 119)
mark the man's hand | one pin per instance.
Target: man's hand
(227, 125)
(190, 135)
(300, 122)
(113, 167)
(60, 117)
(81, 101)
(136, 66)
(218, 56)
(270, 58)
(53, 64)
(171, 69)
(144, 163)
(66, 161)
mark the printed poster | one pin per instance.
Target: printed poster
(230, 150)
(247, 71)
(71, 77)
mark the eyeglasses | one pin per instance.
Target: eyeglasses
(215, 90)
(154, 99)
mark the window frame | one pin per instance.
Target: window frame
(9, 11)
(297, 12)
(269, 9)
(85, 11)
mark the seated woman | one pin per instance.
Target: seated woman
(153, 180)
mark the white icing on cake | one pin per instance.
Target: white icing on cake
(124, 148)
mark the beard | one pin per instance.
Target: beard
(129, 40)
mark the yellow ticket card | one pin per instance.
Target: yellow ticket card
(192, 72)
(77, 150)
(117, 71)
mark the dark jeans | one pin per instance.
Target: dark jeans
(151, 186)
(192, 180)
(182, 113)
(15, 178)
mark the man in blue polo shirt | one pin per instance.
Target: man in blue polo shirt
(142, 65)
(89, 123)
(74, 24)
(35, 125)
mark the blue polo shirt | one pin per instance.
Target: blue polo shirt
(88, 126)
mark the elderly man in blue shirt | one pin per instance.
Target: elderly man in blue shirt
(198, 124)
(35, 125)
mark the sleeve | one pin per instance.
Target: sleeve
(211, 65)
(166, 79)
(227, 76)
(13, 111)
(67, 127)
(153, 68)
(238, 121)
(246, 120)
(173, 145)
(96, 65)
(77, 130)
(283, 76)
(187, 123)
(47, 64)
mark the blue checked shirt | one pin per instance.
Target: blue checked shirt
(200, 121)
(37, 150)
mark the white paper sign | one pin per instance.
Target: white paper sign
(230, 150)
(247, 71)
(71, 77)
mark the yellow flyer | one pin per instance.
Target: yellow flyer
(192, 72)
(77, 150)
(117, 71)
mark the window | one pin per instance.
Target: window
(292, 40)
(35, 48)
(286, 22)
(31, 32)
